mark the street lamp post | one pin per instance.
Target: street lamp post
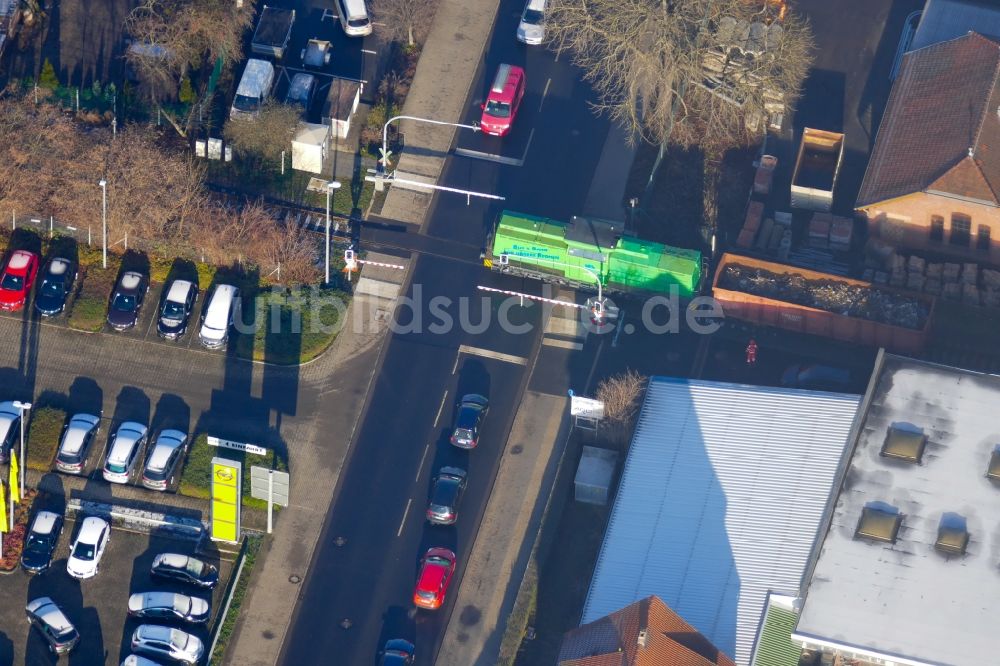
(22, 407)
(385, 132)
(104, 223)
(330, 187)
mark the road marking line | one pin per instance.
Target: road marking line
(544, 93)
(563, 344)
(400, 530)
(441, 407)
(488, 353)
(422, 459)
(593, 368)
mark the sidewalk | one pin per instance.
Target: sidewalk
(349, 368)
(446, 71)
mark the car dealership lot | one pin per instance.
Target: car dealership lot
(98, 606)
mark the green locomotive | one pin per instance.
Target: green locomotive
(574, 253)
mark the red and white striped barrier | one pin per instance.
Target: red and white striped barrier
(351, 262)
(529, 296)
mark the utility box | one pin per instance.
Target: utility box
(309, 147)
(341, 102)
(594, 475)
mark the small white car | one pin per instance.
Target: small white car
(136, 660)
(167, 642)
(123, 451)
(88, 547)
(531, 29)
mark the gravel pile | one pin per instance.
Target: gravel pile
(830, 295)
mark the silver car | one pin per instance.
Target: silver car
(79, 434)
(164, 459)
(166, 642)
(168, 606)
(58, 632)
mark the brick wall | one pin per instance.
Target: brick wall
(907, 222)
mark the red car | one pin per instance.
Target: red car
(504, 100)
(436, 569)
(18, 277)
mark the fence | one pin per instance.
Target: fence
(47, 227)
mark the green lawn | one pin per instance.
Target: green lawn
(292, 326)
(44, 433)
(89, 310)
(239, 593)
(196, 478)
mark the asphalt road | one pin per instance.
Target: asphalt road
(382, 494)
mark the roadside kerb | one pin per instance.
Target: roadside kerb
(448, 65)
(234, 580)
(285, 559)
(503, 547)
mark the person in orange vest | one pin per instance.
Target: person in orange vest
(752, 352)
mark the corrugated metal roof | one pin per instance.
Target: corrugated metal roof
(719, 503)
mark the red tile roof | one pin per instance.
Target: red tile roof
(941, 127)
(614, 640)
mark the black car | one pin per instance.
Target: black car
(190, 570)
(55, 287)
(41, 542)
(176, 309)
(471, 411)
(127, 300)
(397, 652)
(445, 496)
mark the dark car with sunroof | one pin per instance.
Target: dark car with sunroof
(471, 412)
(126, 300)
(55, 287)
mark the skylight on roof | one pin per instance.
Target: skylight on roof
(879, 522)
(993, 471)
(905, 442)
(953, 534)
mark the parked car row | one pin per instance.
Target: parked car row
(125, 445)
(83, 563)
(125, 304)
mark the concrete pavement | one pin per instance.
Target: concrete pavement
(445, 73)
(350, 364)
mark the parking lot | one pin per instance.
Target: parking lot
(97, 607)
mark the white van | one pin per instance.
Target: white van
(255, 86)
(354, 18)
(219, 316)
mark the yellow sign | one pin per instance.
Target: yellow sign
(3, 510)
(227, 490)
(15, 491)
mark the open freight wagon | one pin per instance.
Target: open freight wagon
(571, 253)
(831, 306)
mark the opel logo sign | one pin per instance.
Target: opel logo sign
(224, 474)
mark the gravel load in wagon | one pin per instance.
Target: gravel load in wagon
(830, 295)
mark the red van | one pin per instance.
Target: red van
(504, 99)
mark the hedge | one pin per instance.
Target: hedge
(44, 433)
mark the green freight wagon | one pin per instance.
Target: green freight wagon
(574, 252)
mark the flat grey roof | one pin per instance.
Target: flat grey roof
(908, 601)
(944, 20)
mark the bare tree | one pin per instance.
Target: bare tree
(686, 71)
(265, 135)
(404, 19)
(620, 395)
(172, 37)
